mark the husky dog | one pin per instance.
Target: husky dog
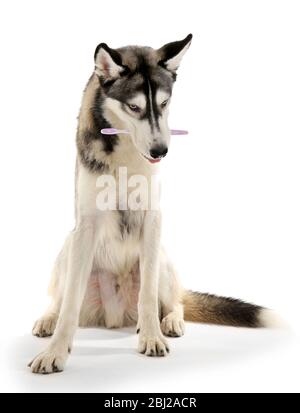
(112, 270)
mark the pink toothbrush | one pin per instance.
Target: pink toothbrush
(113, 131)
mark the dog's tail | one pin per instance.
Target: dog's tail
(212, 309)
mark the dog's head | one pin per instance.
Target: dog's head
(137, 83)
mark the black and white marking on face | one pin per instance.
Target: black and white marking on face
(140, 89)
(137, 83)
(152, 114)
(151, 110)
(147, 105)
(141, 101)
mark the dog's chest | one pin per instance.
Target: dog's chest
(119, 230)
(130, 224)
(121, 190)
(118, 242)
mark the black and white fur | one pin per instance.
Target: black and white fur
(112, 270)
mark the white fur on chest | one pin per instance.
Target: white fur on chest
(118, 231)
(126, 160)
(118, 242)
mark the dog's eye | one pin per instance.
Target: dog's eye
(134, 108)
(164, 104)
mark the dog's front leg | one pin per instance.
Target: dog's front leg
(80, 261)
(151, 339)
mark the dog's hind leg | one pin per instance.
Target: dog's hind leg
(170, 296)
(45, 326)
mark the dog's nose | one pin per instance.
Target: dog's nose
(158, 151)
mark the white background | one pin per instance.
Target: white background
(231, 187)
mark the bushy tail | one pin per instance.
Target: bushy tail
(211, 309)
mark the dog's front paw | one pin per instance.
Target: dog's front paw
(49, 361)
(153, 345)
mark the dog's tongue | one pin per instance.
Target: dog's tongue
(152, 160)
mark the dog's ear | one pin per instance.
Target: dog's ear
(170, 54)
(108, 62)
